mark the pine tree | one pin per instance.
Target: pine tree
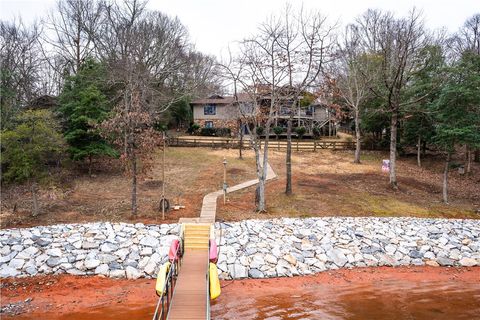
(424, 90)
(84, 105)
(30, 148)
(458, 110)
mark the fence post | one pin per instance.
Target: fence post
(314, 145)
(334, 145)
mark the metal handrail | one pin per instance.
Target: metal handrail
(163, 304)
(208, 281)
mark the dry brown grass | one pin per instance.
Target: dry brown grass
(190, 174)
(325, 183)
(328, 183)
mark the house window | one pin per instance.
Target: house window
(210, 110)
(208, 124)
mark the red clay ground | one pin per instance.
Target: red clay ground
(70, 297)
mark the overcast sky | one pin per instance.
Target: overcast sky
(214, 24)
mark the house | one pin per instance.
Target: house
(219, 111)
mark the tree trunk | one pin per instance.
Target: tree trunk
(288, 158)
(240, 156)
(134, 185)
(393, 150)
(445, 178)
(469, 161)
(34, 199)
(357, 136)
(419, 153)
(89, 165)
(260, 202)
(476, 157)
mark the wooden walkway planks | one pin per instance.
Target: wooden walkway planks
(190, 295)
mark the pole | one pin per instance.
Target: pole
(224, 180)
(163, 178)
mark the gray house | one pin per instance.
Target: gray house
(219, 111)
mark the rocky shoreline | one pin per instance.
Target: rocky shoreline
(248, 249)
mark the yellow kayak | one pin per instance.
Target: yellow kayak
(161, 277)
(215, 289)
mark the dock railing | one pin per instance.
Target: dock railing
(163, 304)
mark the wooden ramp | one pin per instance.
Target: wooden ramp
(190, 298)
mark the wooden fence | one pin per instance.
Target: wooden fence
(297, 145)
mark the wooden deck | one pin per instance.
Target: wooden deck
(190, 295)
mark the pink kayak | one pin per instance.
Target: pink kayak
(174, 252)
(213, 251)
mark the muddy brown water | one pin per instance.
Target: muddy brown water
(391, 299)
(386, 300)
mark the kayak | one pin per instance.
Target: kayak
(174, 252)
(213, 254)
(215, 289)
(161, 278)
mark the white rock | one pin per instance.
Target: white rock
(102, 269)
(55, 252)
(117, 273)
(468, 262)
(91, 263)
(150, 268)
(337, 257)
(28, 253)
(149, 241)
(132, 273)
(6, 271)
(16, 263)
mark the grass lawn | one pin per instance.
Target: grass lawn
(190, 174)
(327, 183)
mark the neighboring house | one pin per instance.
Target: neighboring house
(219, 111)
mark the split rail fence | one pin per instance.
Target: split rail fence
(297, 145)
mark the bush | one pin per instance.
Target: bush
(223, 132)
(29, 148)
(208, 131)
(260, 131)
(220, 132)
(193, 129)
(301, 131)
(278, 130)
(317, 132)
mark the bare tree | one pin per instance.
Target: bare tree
(397, 42)
(20, 67)
(149, 58)
(263, 73)
(467, 38)
(352, 76)
(73, 25)
(305, 45)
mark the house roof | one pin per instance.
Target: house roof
(218, 99)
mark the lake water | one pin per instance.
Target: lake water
(384, 300)
(387, 299)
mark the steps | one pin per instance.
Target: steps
(196, 236)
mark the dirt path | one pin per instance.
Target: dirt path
(74, 298)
